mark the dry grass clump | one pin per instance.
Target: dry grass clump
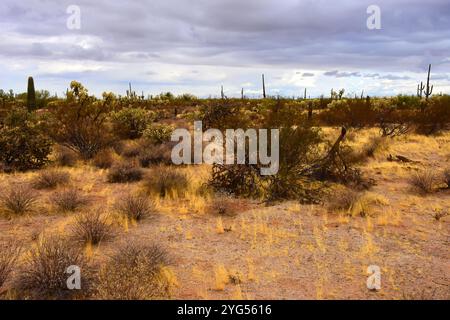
(8, 257)
(343, 199)
(223, 206)
(50, 179)
(123, 172)
(92, 227)
(44, 273)
(423, 182)
(65, 157)
(104, 159)
(130, 150)
(135, 208)
(166, 181)
(68, 200)
(136, 272)
(18, 200)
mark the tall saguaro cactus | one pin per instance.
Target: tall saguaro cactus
(31, 95)
(264, 86)
(428, 90)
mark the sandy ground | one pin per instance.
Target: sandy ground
(285, 251)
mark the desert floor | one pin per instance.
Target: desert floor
(282, 251)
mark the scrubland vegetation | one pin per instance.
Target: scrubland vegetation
(89, 181)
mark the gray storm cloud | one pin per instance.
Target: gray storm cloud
(311, 35)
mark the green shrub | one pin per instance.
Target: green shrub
(130, 123)
(158, 133)
(23, 143)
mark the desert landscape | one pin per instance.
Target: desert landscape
(224, 150)
(94, 185)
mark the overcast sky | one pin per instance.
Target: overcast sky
(198, 45)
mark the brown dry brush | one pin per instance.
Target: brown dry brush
(50, 179)
(44, 273)
(68, 200)
(9, 254)
(135, 273)
(165, 180)
(92, 227)
(19, 200)
(135, 207)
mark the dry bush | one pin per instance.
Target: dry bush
(135, 207)
(156, 154)
(343, 199)
(44, 276)
(165, 180)
(136, 272)
(423, 182)
(68, 200)
(19, 200)
(8, 257)
(50, 179)
(223, 206)
(92, 227)
(66, 157)
(104, 159)
(124, 172)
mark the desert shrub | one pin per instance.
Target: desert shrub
(136, 272)
(80, 121)
(23, 143)
(158, 133)
(423, 182)
(8, 256)
(156, 154)
(351, 113)
(165, 181)
(44, 275)
(130, 123)
(223, 206)
(92, 227)
(135, 207)
(123, 172)
(65, 157)
(19, 200)
(103, 159)
(68, 200)
(50, 179)
(343, 199)
(435, 115)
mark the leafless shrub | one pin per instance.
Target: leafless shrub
(68, 200)
(423, 182)
(136, 272)
(343, 199)
(8, 257)
(164, 180)
(44, 273)
(92, 227)
(124, 172)
(439, 214)
(20, 199)
(103, 159)
(50, 179)
(135, 207)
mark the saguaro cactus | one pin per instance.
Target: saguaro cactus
(31, 95)
(428, 90)
(420, 88)
(222, 94)
(242, 93)
(264, 86)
